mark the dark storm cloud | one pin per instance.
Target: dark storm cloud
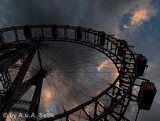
(101, 15)
(19, 12)
(104, 14)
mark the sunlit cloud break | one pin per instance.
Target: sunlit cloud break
(141, 14)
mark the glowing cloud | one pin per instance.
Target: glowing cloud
(140, 15)
(47, 96)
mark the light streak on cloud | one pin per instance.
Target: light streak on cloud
(103, 64)
(126, 27)
(110, 66)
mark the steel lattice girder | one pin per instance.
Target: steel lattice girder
(10, 95)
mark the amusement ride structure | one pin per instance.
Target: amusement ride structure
(20, 46)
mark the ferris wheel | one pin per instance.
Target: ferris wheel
(80, 75)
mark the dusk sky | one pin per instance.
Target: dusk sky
(136, 21)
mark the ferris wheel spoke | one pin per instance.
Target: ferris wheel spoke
(58, 95)
(69, 86)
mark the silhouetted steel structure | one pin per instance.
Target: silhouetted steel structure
(25, 45)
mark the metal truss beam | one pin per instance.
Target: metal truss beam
(32, 105)
(36, 97)
(9, 58)
(10, 96)
(5, 80)
(24, 87)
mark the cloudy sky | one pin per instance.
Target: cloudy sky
(136, 21)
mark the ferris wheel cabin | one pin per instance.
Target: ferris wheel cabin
(146, 95)
(123, 46)
(147, 89)
(54, 29)
(141, 64)
(79, 33)
(102, 38)
(27, 32)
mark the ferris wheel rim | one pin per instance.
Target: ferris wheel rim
(108, 38)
